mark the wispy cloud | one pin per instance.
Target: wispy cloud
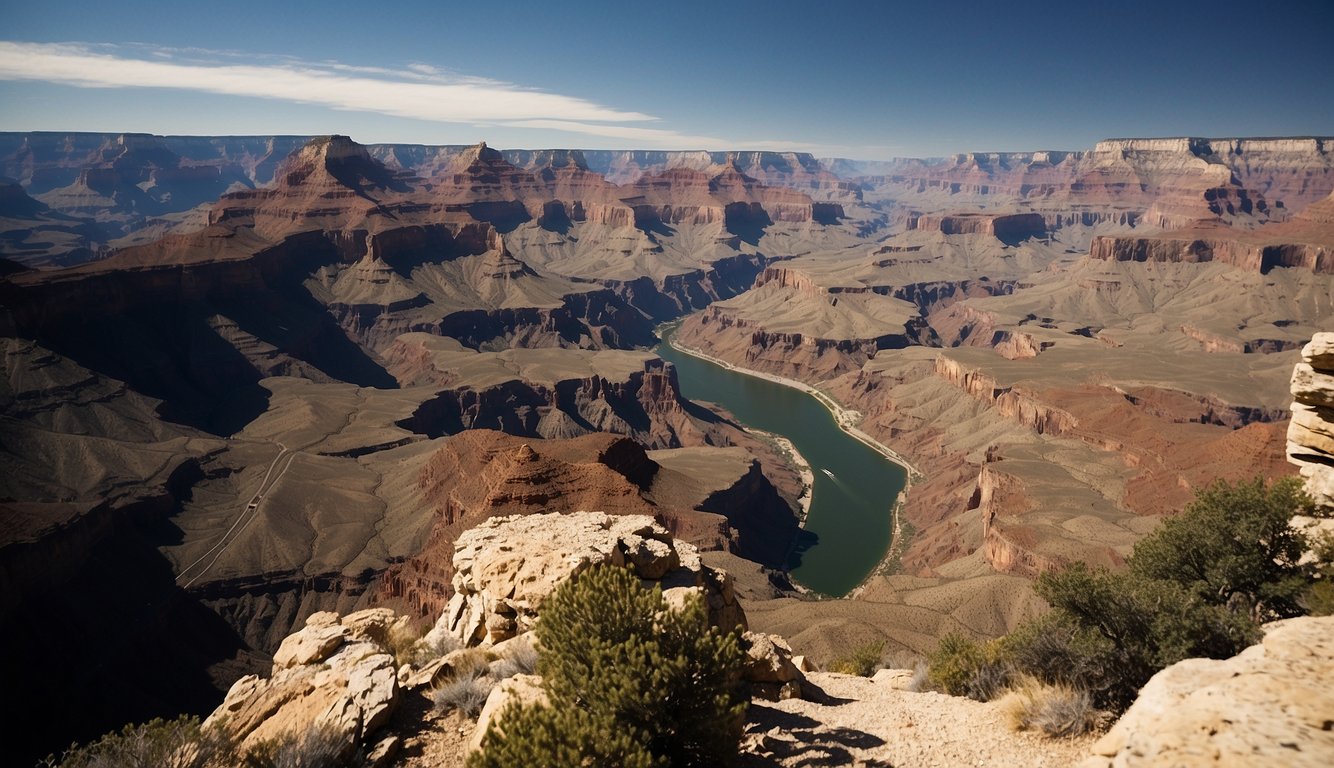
(417, 90)
(420, 91)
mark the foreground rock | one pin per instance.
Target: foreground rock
(505, 568)
(1311, 432)
(335, 674)
(1268, 705)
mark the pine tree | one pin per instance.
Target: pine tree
(630, 682)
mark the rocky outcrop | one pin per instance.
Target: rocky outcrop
(480, 474)
(1009, 227)
(505, 568)
(1311, 431)
(1221, 247)
(1162, 183)
(644, 404)
(1011, 403)
(1007, 545)
(337, 674)
(1268, 705)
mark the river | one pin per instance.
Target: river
(849, 525)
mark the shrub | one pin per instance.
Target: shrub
(989, 680)
(1319, 598)
(864, 660)
(630, 681)
(466, 694)
(471, 664)
(1233, 545)
(519, 659)
(179, 743)
(401, 641)
(1056, 711)
(1132, 627)
(921, 678)
(320, 746)
(954, 664)
(1057, 651)
(1197, 586)
(563, 736)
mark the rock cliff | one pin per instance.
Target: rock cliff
(1311, 431)
(506, 567)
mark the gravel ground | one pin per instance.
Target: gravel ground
(869, 724)
(861, 723)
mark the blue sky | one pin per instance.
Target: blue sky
(855, 79)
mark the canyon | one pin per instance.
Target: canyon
(250, 379)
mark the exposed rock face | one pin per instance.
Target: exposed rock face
(1311, 432)
(1268, 705)
(1224, 247)
(628, 393)
(335, 673)
(505, 568)
(1162, 183)
(1003, 226)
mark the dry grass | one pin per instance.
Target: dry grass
(519, 659)
(1056, 711)
(401, 641)
(469, 683)
(466, 694)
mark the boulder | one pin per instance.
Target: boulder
(898, 679)
(769, 668)
(1319, 352)
(1269, 705)
(332, 674)
(310, 645)
(506, 568)
(521, 689)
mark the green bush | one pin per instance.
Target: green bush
(954, 664)
(1199, 585)
(627, 677)
(864, 660)
(1131, 627)
(1319, 598)
(555, 737)
(1233, 545)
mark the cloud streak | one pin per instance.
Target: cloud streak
(420, 92)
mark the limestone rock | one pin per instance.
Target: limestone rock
(1319, 352)
(330, 674)
(1311, 431)
(769, 668)
(505, 568)
(312, 644)
(522, 689)
(1312, 386)
(1269, 705)
(898, 679)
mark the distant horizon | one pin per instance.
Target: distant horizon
(493, 145)
(852, 78)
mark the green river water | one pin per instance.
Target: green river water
(849, 525)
